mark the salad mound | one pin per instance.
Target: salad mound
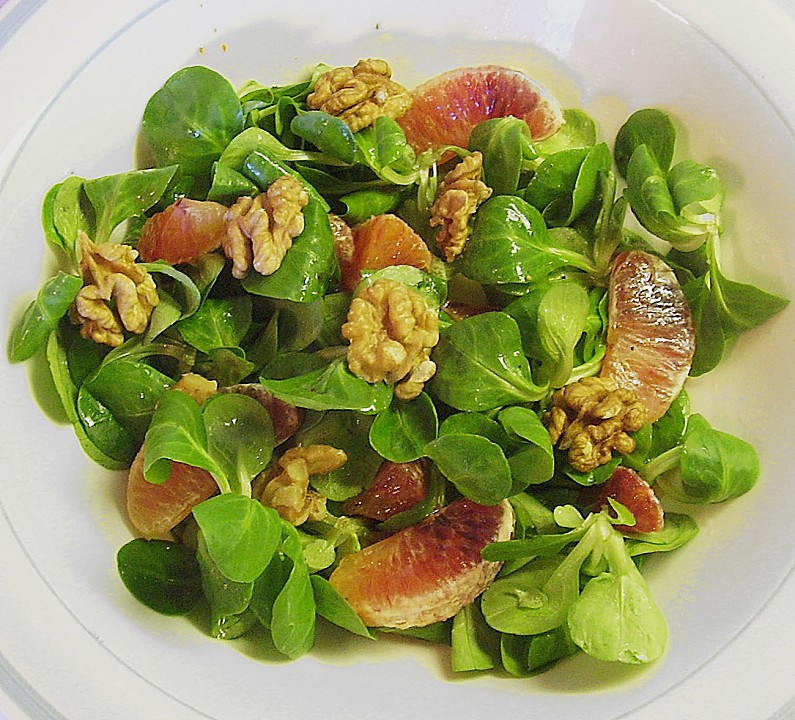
(437, 386)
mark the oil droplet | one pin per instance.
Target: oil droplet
(531, 599)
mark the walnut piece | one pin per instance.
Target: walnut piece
(196, 386)
(344, 245)
(118, 294)
(260, 230)
(592, 418)
(458, 197)
(360, 94)
(289, 493)
(391, 330)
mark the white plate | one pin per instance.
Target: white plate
(74, 644)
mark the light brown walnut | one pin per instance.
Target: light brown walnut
(592, 419)
(196, 386)
(459, 195)
(260, 230)
(360, 94)
(289, 492)
(391, 330)
(118, 294)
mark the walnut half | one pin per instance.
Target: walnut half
(260, 230)
(118, 294)
(391, 330)
(360, 94)
(592, 418)
(289, 493)
(457, 199)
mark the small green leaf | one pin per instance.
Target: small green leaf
(30, 333)
(162, 575)
(333, 387)
(476, 466)
(334, 608)
(241, 534)
(240, 436)
(401, 432)
(293, 618)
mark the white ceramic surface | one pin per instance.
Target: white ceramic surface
(75, 645)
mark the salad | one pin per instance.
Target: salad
(406, 361)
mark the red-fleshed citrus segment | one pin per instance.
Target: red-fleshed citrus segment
(427, 572)
(397, 487)
(154, 509)
(627, 487)
(447, 107)
(651, 337)
(382, 241)
(183, 231)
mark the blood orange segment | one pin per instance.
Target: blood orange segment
(651, 336)
(183, 231)
(397, 487)
(427, 572)
(379, 242)
(155, 509)
(634, 493)
(445, 108)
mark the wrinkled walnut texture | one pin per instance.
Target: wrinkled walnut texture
(118, 294)
(260, 230)
(360, 94)
(458, 197)
(592, 418)
(391, 331)
(289, 493)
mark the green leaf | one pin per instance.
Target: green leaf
(714, 466)
(501, 141)
(116, 198)
(31, 331)
(241, 534)
(293, 618)
(481, 366)
(510, 243)
(685, 213)
(57, 360)
(225, 597)
(679, 529)
(510, 604)
(349, 432)
(162, 575)
(401, 432)
(334, 608)
(743, 306)
(615, 618)
(327, 133)
(534, 461)
(177, 432)
(473, 644)
(562, 316)
(650, 127)
(240, 437)
(711, 336)
(474, 465)
(333, 387)
(130, 390)
(191, 119)
(218, 323)
(578, 131)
